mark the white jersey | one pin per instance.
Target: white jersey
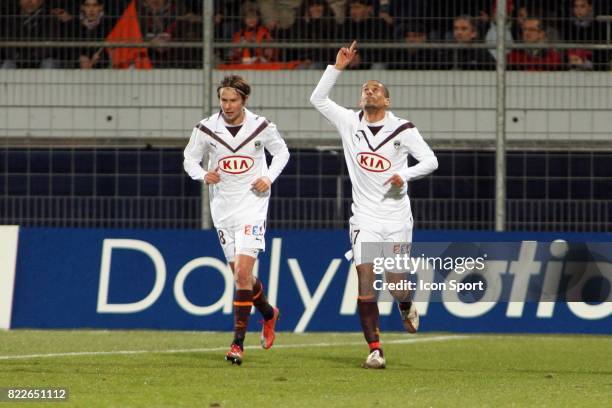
(373, 159)
(241, 160)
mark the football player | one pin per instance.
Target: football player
(239, 181)
(376, 145)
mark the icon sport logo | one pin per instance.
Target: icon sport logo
(236, 164)
(373, 162)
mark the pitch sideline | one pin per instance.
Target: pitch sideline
(214, 349)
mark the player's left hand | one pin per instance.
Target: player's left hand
(262, 184)
(395, 180)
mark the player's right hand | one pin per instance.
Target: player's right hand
(396, 180)
(346, 55)
(212, 177)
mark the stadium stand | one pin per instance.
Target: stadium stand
(164, 22)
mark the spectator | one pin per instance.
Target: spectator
(278, 14)
(67, 14)
(581, 26)
(491, 35)
(338, 8)
(226, 23)
(252, 31)
(415, 58)
(536, 10)
(163, 21)
(32, 23)
(384, 13)
(464, 32)
(521, 16)
(227, 20)
(445, 12)
(63, 10)
(317, 25)
(538, 59)
(364, 27)
(69, 10)
(92, 25)
(398, 13)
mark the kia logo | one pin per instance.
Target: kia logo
(236, 164)
(373, 162)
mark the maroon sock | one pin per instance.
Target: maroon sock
(243, 301)
(261, 302)
(368, 315)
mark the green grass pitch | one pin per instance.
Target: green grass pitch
(166, 369)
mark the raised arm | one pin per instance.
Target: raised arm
(320, 96)
(345, 56)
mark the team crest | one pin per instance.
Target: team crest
(396, 144)
(258, 144)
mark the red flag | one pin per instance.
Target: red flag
(127, 30)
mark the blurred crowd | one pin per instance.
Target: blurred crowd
(160, 23)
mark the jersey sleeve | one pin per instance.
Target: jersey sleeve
(193, 154)
(274, 143)
(339, 116)
(413, 144)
